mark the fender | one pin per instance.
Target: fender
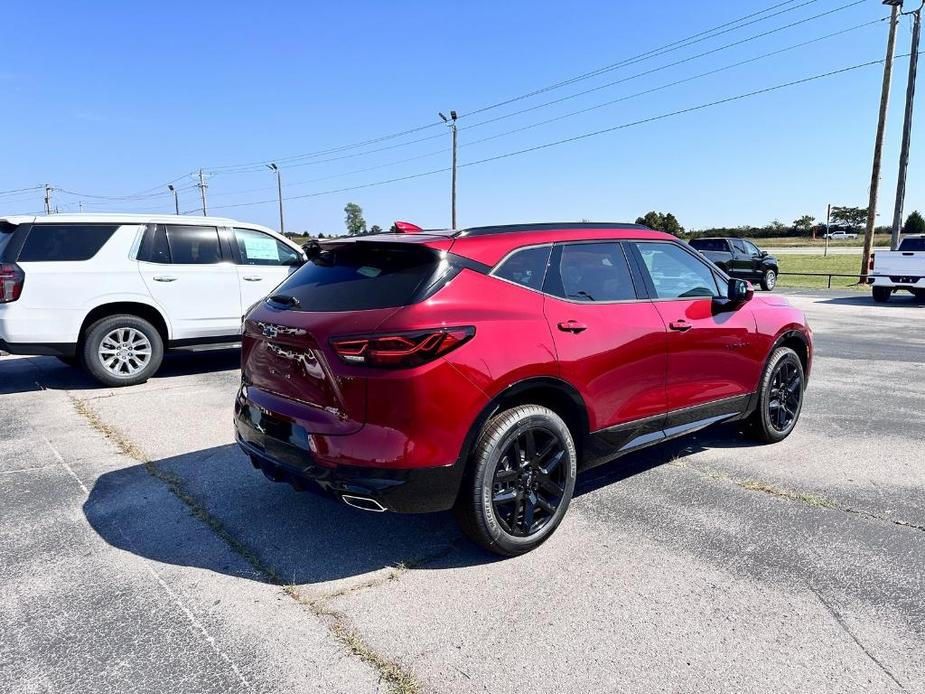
(125, 297)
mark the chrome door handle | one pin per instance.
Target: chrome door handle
(164, 278)
(681, 325)
(252, 278)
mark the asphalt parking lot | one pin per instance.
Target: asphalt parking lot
(142, 553)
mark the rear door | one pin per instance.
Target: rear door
(713, 354)
(186, 272)
(263, 262)
(610, 343)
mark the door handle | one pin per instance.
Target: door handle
(681, 325)
(252, 278)
(165, 278)
(572, 326)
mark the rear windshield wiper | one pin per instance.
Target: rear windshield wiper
(283, 301)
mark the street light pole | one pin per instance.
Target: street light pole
(279, 191)
(895, 7)
(176, 200)
(907, 129)
(452, 124)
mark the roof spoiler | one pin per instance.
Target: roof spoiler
(407, 227)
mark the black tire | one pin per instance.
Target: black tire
(93, 339)
(882, 294)
(769, 279)
(498, 493)
(919, 295)
(774, 419)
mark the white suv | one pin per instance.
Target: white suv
(112, 292)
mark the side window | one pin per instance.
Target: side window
(60, 242)
(750, 248)
(591, 272)
(193, 245)
(739, 246)
(257, 248)
(675, 273)
(526, 267)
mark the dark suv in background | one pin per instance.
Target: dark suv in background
(740, 258)
(478, 369)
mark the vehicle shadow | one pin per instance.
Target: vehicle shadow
(305, 538)
(25, 374)
(899, 300)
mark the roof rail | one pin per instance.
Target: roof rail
(545, 226)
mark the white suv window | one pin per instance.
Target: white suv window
(257, 248)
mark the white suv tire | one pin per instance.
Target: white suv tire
(122, 350)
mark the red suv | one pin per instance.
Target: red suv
(477, 369)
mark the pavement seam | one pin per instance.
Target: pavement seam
(398, 679)
(806, 498)
(841, 623)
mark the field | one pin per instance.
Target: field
(838, 264)
(803, 241)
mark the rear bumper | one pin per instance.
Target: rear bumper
(897, 281)
(281, 449)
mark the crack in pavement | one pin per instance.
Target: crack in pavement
(806, 498)
(841, 623)
(399, 680)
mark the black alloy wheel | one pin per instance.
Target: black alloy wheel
(780, 397)
(785, 396)
(519, 480)
(529, 482)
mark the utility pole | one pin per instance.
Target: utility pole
(202, 193)
(895, 6)
(907, 129)
(452, 124)
(80, 205)
(828, 216)
(176, 200)
(279, 190)
(48, 190)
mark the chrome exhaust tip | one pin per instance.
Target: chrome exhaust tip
(363, 503)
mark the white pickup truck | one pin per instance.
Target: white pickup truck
(904, 268)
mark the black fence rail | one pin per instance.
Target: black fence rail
(860, 278)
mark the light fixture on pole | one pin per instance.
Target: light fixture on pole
(176, 200)
(451, 122)
(279, 190)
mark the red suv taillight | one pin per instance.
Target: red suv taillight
(11, 281)
(401, 350)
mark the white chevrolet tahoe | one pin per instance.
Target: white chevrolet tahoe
(111, 293)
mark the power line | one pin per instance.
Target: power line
(576, 138)
(667, 48)
(529, 126)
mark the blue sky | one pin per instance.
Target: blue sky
(111, 99)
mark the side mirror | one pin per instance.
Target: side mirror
(739, 291)
(312, 250)
(763, 254)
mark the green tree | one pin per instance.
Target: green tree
(804, 224)
(776, 226)
(666, 222)
(849, 216)
(375, 229)
(354, 219)
(915, 224)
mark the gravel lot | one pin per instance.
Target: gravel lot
(140, 551)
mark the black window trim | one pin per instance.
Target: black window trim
(146, 243)
(692, 252)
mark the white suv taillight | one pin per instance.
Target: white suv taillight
(11, 280)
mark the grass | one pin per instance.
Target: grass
(838, 264)
(803, 241)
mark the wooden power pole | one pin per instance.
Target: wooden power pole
(895, 6)
(907, 131)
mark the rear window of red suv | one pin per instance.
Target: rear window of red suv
(359, 276)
